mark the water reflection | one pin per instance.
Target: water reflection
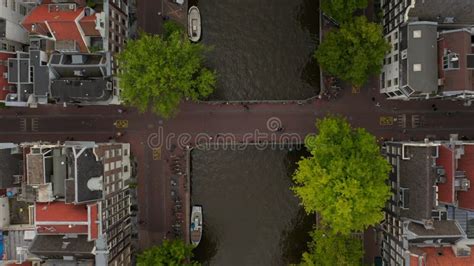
(262, 49)
(251, 217)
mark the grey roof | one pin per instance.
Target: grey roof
(440, 228)
(423, 51)
(18, 70)
(438, 10)
(418, 175)
(87, 168)
(81, 91)
(57, 246)
(59, 174)
(10, 165)
(40, 74)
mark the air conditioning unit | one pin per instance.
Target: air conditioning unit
(404, 54)
(462, 184)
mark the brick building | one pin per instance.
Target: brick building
(430, 216)
(78, 203)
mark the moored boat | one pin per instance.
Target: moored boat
(194, 24)
(196, 225)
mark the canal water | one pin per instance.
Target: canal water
(251, 217)
(261, 49)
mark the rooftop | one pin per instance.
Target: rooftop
(466, 163)
(446, 160)
(89, 176)
(58, 246)
(420, 66)
(461, 11)
(418, 176)
(442, 228)
(442, 256)
(10, 165)
(61, 22)
(454, 48)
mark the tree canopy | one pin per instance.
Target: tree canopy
(170, 253)
(328, 249)
(343, 179)
(342, 10)
(157, 72)
(354, 52)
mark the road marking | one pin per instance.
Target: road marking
(156, 154)
(121, 123)
(34, 124)
(386, 120)
(23, 126)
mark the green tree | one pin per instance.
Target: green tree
(354, 52)
(344, 178)
(328, 249)
(157, 72)
(170, 253)
(342, 10)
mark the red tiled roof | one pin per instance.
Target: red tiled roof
(64, 31)
(446, 159)
(26, 263)
(88, 26)
(59, 211)
(61, 229)
(466, 163)
(448, 258)
(458, 42)
(3, 81)
(93, 228)
(61, 24)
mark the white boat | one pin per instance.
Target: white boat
(196, 225)
(194, 24)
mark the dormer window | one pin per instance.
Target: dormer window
(404, 198)
(450, 61)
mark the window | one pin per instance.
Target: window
(13, 4)
(396, 35)
(389, 60)
(22, 10)
(417, 34)
(417, 67)
(451, 61)
(389, 83)
(395, 46)
(4, 46)
(395, 58)
(395, 81)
